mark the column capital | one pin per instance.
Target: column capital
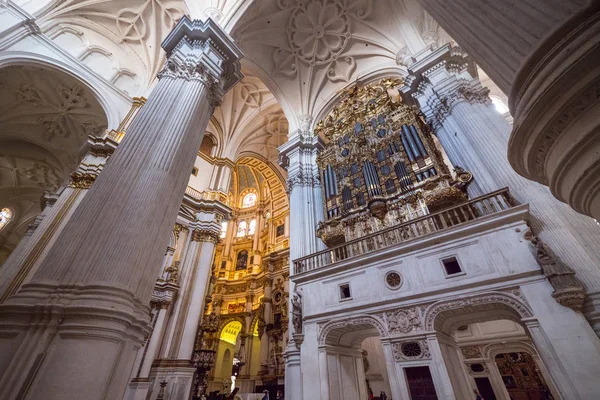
(205, 235)
(298, 156)
(202, 50)
(441, 80)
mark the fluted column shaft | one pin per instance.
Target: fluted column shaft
(198, 292)
(500, 36)
(306, 199)
(155, 340)
(93, 289)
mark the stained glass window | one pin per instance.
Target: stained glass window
(223, 229)
(252, 227)
(249, 200)
(5, 216)
(242, 229)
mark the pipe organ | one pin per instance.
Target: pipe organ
(381, 165)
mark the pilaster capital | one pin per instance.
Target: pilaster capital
(441, 80)
(201, 50)
(205, 235)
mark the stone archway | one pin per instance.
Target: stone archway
(46, 118)
(344, 359)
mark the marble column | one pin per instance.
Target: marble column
(267, 319)
(92, 291)
(475, 136)
(544, 55)
(299, 156)
(207, 236)
(155, 339)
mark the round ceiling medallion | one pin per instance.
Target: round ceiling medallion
(393, 280)
(318, 32)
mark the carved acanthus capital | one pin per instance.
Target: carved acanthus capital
(202, 51)
(302, 178)
(203, 235)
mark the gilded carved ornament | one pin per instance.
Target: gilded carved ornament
(82, 181)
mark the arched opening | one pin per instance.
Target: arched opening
(208, 145)
(486, 347)
(228, 348)
(352, 360)
(46, 119)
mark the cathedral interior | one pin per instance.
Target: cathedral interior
(299, 199)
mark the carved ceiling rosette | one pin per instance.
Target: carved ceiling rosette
(315, 47)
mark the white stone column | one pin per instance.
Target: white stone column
(392, 373)
(155, 340)
(475, 136)
(93, 289)
(496, 380)
(544, 55)
(208, 237)
(441, 379)
(299, 156)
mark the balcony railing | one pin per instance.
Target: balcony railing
(410, 230)
(210, 195)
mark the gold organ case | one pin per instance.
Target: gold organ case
(381, 165)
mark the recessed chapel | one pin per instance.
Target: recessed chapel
(299, 199)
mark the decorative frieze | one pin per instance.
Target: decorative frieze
(471, 352)
(404, 320)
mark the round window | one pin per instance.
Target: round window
(393, 280)
(411, 349)
(477, 367)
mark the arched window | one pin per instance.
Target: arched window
(499, 104)
(249, 200)
(207, 145)
(252, 227)
(6, 216)
(223, 229)
(242, 229)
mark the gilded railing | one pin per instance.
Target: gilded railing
(210, 195)
(411, 230)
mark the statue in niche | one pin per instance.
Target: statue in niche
(242, 260)
(297, 312)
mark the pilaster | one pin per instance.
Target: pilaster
(298, 156)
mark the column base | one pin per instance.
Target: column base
(293, 372)
(88, 332)
(591, 310)
(179, 375)
(138, 389)
(556, 102)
